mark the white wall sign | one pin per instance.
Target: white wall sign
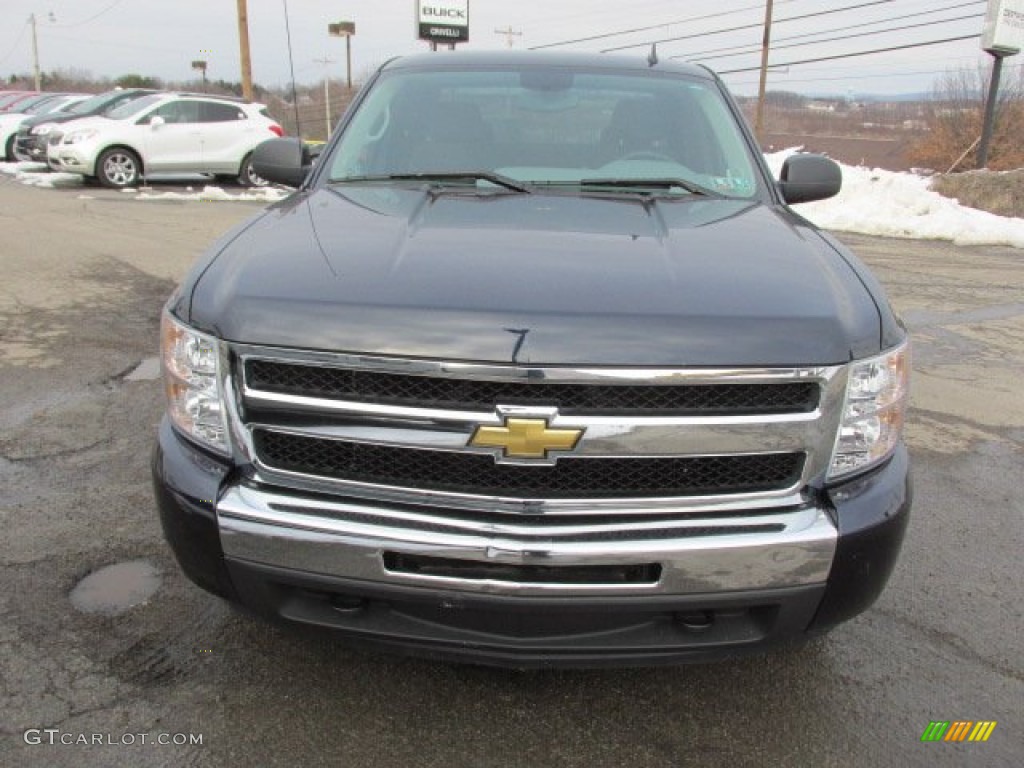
(442, 21)
(1004, 27)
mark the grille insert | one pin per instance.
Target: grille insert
(579, 399)
(571, 477)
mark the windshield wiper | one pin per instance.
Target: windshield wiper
(641, 184)
(428, 176)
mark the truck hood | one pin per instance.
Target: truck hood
(537, 279)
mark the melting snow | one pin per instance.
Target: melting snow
(879, 202)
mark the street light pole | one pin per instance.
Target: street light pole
(291, 66)
(348, 60)
(35, 53)
(345, 29)
(327, 92)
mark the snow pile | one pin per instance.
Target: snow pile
(49, 180)
(891, 204)
(18, 168)
(211, 194)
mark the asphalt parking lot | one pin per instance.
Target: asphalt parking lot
(85, 273)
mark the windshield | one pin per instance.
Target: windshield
(549, 126)
(134, 107)
(54, 105)
(25, 104)
(94, 103)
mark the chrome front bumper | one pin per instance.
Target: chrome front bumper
(697, 554)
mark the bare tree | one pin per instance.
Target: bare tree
(955, 122)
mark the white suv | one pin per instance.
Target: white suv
(165, 133)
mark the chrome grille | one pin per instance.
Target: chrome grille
(635, 477)
(656, 443)
(469, 394)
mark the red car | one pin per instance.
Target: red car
(13, 101)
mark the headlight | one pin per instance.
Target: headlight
(42, 130)
(76, 136)
(191, 367)
(876, 402)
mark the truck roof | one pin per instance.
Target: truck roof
(486, 59)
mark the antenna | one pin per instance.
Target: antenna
(652, 57)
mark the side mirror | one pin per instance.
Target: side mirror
(282, 161)
(806, 178)
(156, 121)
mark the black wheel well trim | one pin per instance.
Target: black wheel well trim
(245, 157)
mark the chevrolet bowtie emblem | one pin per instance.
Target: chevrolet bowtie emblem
(525, 438)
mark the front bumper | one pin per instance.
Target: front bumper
(29, 148)
(525, 596)
(71, 158)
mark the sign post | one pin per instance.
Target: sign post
(1003, 36)
(345, 29)
(442, 21)
(200, 66)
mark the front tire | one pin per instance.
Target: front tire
(247, 176)
(118, 168)
(9, 150)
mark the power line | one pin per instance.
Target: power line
(636, 9)
(606, 35)
(17, 42)
(882, 65)
(852, 55)
(754, 48)
(95, 16)
(915, 73)
(919, 24)
(758, 25)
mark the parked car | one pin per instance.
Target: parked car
(537, 367)
(30, 143)
(16, 97)
(9, 121)
(165, 133)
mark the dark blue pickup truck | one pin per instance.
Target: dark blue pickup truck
(537, 367)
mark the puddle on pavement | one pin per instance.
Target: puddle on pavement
(147, 370)
(117, 588)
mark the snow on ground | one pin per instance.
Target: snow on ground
(874, 201)
(38, 175)
(16, 168)
(216, 194)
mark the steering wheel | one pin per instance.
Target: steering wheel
(646, 155)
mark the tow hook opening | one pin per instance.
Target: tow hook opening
(696, 621)
(347, 605)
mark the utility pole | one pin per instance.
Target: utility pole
(765, 47)
(35, 53)
(327, 91)
(510, 34)
(243, 48)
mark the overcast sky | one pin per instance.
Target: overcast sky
(162, 37)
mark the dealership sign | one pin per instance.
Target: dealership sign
(1004, 27)
(442, 21)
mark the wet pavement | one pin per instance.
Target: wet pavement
(102, 638)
